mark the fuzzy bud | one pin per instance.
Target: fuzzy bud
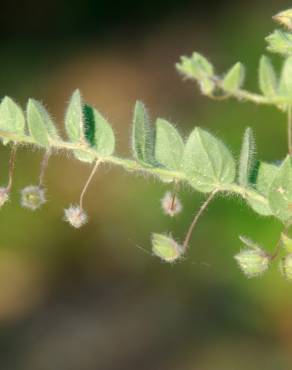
(284, 18)
(4, 196)
(75, 216)
(253, 262)
(166, 248)
(171, 205)
(32, 197)
(286, 266)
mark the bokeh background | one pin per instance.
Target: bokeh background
(95, 298)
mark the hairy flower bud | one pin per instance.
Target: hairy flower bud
(4, 196)
(33, 197)
(284, 18)
(170, 204)
(166, 248)
(253, 262)
(286, 266)
(75, 216)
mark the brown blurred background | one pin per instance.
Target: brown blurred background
(95, 298)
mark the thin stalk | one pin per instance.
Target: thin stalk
(44, 165)
(173, 195)
(276, 251)
(87, 183)
(289, 128)
(196, 218)
(11, 168)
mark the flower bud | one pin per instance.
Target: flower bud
(4, 196)
(171, 205)
(75, 216)
(32, 197)
(284, 18)
(253, 262)
(286, 266)
(166, 248)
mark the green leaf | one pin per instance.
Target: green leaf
(207, 163)
(280, 194)
(169, 145)
(196, 66)
(40, 124)
(267, 77)
(11, 117)
(75, 127)
(286, 78)
(234, 78)
(98, 131)
(142, 135)
(265, 175)
(37, 124)
(280, 42)
(199, 68)
(246, 162)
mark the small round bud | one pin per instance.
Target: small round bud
(75, 216)
(286, 266)
(171, 205)
(253, 262)
(33, 197)
(4, 196)
(166, 248)
(284, 18)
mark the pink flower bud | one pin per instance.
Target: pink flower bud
(75, 216)
(171, 205)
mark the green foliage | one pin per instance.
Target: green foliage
(11, 118)
(207, 162)
(98, 131)
(265, 175)
(199, 68)
(246, 161)
(280, 193)
(267, 77)
(169, 145)
(234, 78)
(280, 42)
(203, 162)
(40, 125)
(142, 135)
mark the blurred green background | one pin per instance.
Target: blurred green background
(95, 298)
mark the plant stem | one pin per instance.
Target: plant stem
(289, 128)
(11, 168)
(173, 196)
(97, 163)
(44, 165)
(196, 218)
(131, 165)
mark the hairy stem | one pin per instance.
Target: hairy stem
(11, 168)
(97, 163)
(196, 218)
(44, 165)
(242, 94)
